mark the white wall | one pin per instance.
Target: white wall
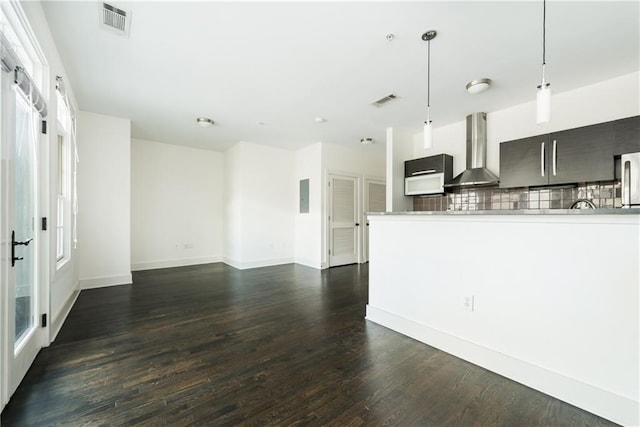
(64, 285)
(176, 205)
(316, 162)
(308, 229)
(104, 188)
(600, 102)
(555, 307)
(259, 206)
(232, 202)
(358, 161)
(398, 150)
(362, 163)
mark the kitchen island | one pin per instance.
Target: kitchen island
(548, 298)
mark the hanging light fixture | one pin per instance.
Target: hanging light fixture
(428, 127)
(543, 98)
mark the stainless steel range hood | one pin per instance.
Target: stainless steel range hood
(476, 173)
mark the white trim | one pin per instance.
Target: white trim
(58, 320)
(152, 265)
(17, 20)
(103, 282)
(601, 402)
(256, 264)
(308, 263)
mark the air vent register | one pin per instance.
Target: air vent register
(115, 19)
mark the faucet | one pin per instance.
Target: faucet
(583, 204)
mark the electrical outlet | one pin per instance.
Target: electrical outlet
(468, 302)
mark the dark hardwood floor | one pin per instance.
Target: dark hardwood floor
(212, 345)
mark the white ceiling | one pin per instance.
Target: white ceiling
(286, 63)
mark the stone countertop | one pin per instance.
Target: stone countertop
(606, 211)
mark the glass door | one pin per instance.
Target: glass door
(24, 230)
(22, 334)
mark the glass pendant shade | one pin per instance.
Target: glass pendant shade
(428, 135)
(428, 127)
(543, 104)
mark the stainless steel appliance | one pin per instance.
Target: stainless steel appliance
(630, 167)
(476, 173)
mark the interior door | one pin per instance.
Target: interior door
(376, 200)
(343, 220)
(21, 332)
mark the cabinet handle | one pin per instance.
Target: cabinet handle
(542, 159)
(626, 183)
(424, 172)
(555, 157)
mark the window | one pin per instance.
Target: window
(21, 39)
(63, 216)
(60, 240)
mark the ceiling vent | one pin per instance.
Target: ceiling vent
(384, 100)
(115, 19)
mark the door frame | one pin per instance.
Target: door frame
(40, 337)
(326, 208)
(3, 266)
(19, 22)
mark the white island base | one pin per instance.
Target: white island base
(550, 301)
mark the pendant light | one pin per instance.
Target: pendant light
(428, 127)
(543, 98)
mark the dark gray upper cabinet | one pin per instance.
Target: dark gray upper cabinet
(572, 156)
(581, 155)
(626, 135)
(440, 163)
(523, 161)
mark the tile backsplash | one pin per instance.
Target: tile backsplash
(601, 194)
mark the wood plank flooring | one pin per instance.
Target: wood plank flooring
(284, 345)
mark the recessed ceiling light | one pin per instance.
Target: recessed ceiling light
(367, 141)
(477, 86)
(205, 122)
(320, 120)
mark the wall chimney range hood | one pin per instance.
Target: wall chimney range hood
(476, 173)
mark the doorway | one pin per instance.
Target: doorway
(375, 193)
(24, 184)
(343, 220)
(22, 291)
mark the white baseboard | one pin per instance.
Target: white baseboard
(601, 402)
(308, 263)
(103, 282)
(58, 319)
(255, 264)
(152, 265)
